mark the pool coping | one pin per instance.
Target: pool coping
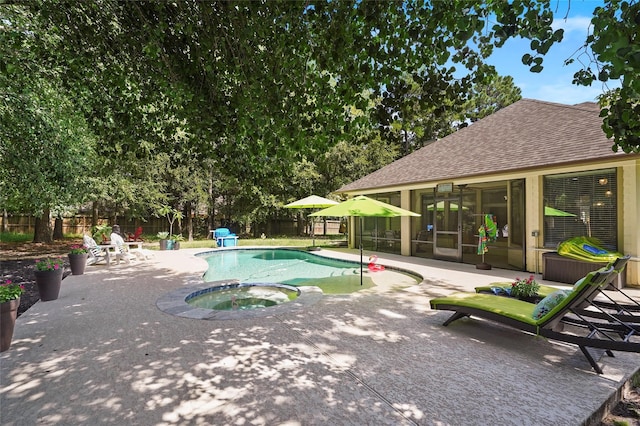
(174, 303)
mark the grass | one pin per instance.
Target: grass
(331, 241)
(280, 241)
(15, 237)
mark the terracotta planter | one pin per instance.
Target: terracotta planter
(49, 284)
(78, 262)
(8, 315)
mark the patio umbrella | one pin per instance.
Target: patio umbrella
(440, 207)
(362, 206)
(550, 211)
(312, 202)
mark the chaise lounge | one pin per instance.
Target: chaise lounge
(594, 330)
(545, 290)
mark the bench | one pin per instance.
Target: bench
(566, 270)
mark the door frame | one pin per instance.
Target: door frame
(447, 253)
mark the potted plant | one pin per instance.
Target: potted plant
(176, 241)
(78, 259)
(9, 301)
(525, 289)
(171, 214)
(164, 240)
(49, 278)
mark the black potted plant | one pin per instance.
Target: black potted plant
(48, 278)
(78, 259)
(9, 302)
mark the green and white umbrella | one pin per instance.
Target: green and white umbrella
(362, 206)
(312, 202)
(550, 211)
(440, 207)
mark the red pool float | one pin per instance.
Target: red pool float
(373, 266)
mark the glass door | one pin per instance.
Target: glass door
(447, 244)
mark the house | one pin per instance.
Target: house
(542, 171)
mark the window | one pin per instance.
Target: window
(581, 204)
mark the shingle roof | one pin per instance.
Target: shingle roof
(526, 134)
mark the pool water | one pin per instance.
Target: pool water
(242, 297)
(293, 267)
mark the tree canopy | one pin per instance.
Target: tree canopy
(256, 89)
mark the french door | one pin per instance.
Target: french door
(447, 227)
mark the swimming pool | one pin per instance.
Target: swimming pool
(312, 275)
(296, 268)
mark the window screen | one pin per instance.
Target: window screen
(581, 204)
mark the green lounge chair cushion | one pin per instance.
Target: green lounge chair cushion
(547, 304)
(543, 291)
(507, 306)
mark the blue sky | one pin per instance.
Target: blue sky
(553, 84)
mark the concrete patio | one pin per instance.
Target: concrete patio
(103, 353)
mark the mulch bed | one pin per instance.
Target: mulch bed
(17, 263)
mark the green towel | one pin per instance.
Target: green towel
(491, 227)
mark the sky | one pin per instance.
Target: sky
(553, 84)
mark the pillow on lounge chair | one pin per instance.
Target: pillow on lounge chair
(577, 283)
(548, 303)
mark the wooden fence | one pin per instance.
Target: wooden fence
(80, 224)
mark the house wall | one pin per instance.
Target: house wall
(630, 233)
(628, 193)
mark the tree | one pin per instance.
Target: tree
(615, 47)
(46, 153)
(489, 97)
(257, 87)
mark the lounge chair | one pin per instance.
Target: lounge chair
(592, 330)
(121, 249)
(96, 253)
(618, 266)
(136, 236)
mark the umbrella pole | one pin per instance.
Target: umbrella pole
(360, 250)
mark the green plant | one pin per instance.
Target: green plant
(178, 237)
(163, 235)
(49, 264)
(78, 249)
(525, 288)
(10, 291)
(99, 231)
(15, 237)
(171, 214)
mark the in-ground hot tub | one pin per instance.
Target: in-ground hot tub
(175, 302)
(242, 296)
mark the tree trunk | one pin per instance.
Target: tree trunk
(42, 233)
(57, 229)
(211, 208)
(299, 223)
(94, 214)
(187, 214)
(5, 221)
